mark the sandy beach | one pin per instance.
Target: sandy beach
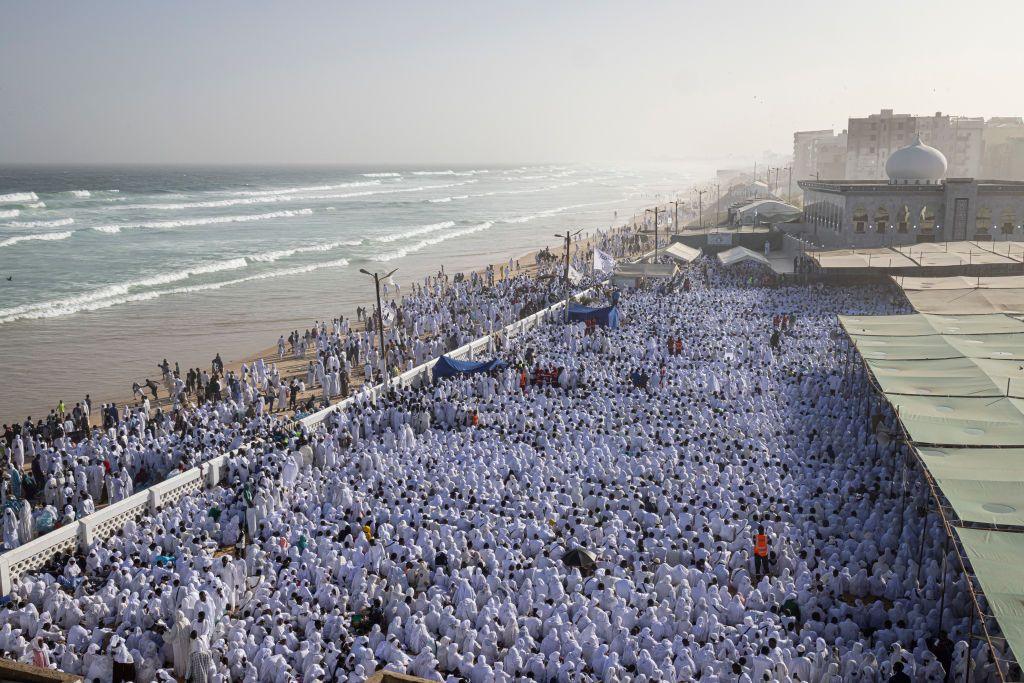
(294, 366)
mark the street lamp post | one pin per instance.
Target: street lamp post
(568, 289)
(700, 207)
(380, 316)
(655, 210)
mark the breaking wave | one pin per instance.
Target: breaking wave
(81, 194)
(114, 295)
(423, 244)
(10, 213)
(270, 256)
(192, 222)
(45, 236)
(18, 198)
(416, 232)
(43, 224)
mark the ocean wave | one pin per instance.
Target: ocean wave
(423, 244)
(299, 190)
(382, 175)
(18, 198)
(45, 236)
(192, 222)
(451, 172)
(552, 212)
(115, 295)
(36, 205)
(10, 213)
(445, 200)
(42, 224)
(415, 232)
(269, 199)
(81, 194)
(270, 256)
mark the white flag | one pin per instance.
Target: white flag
(575, 276)
(603, 262)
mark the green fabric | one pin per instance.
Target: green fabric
(886, 325)
(918, 324)
(958, 421)
(995, 346)
(997, 558)
(983, 464)
(932, 347)
(986, 502)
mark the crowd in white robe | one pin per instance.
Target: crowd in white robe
(424, 531)
(75, 471)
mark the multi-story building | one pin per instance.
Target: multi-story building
(1004, 148)
(916, 204)
(819, 154)
(873, 138)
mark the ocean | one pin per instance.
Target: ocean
(113, 269)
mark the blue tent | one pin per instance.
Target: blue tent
(608, 316)
(449, 367)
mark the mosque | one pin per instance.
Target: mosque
(917, 204)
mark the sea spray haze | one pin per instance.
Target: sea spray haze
(114, 269)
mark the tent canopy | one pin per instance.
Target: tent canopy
(607, 316)
(449, 367)
(922, 255)
(954, 380)
(681, 252)
(731, 257)
(996, 557)
(964, 295)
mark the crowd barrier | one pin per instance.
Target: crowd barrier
(104, 523)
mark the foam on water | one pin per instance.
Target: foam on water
(382, 175)
(18, 198)
(81, 194)
(46, 237)
(10, 213)
(43, 224)
(193, 222)
(416, 232)
(115, 295)
(296, 190)
(270, 256)
(278, 197)
(423, 244)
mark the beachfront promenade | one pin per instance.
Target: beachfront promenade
(78, 535)
(608, 516)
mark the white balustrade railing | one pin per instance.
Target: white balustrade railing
(102, 524)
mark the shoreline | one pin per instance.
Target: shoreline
(295, 366)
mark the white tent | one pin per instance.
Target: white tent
(681, 252)
(731, 257)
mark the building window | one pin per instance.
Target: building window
(881, 221)
(903, 220)
(982, 224)
(860, 221)
(927, 220)
(1007, 222)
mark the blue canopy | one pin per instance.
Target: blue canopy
(608, 316)
(449, 367)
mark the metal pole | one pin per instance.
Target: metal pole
(945, 554)
(920, 548)
(970, 658)
(718, 203)
(380, 327)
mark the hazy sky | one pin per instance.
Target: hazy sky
(348, 82)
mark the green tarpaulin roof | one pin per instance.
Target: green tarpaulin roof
(997, 558)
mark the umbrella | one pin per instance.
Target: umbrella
(580, 557)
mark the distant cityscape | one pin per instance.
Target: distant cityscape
(974, 147)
